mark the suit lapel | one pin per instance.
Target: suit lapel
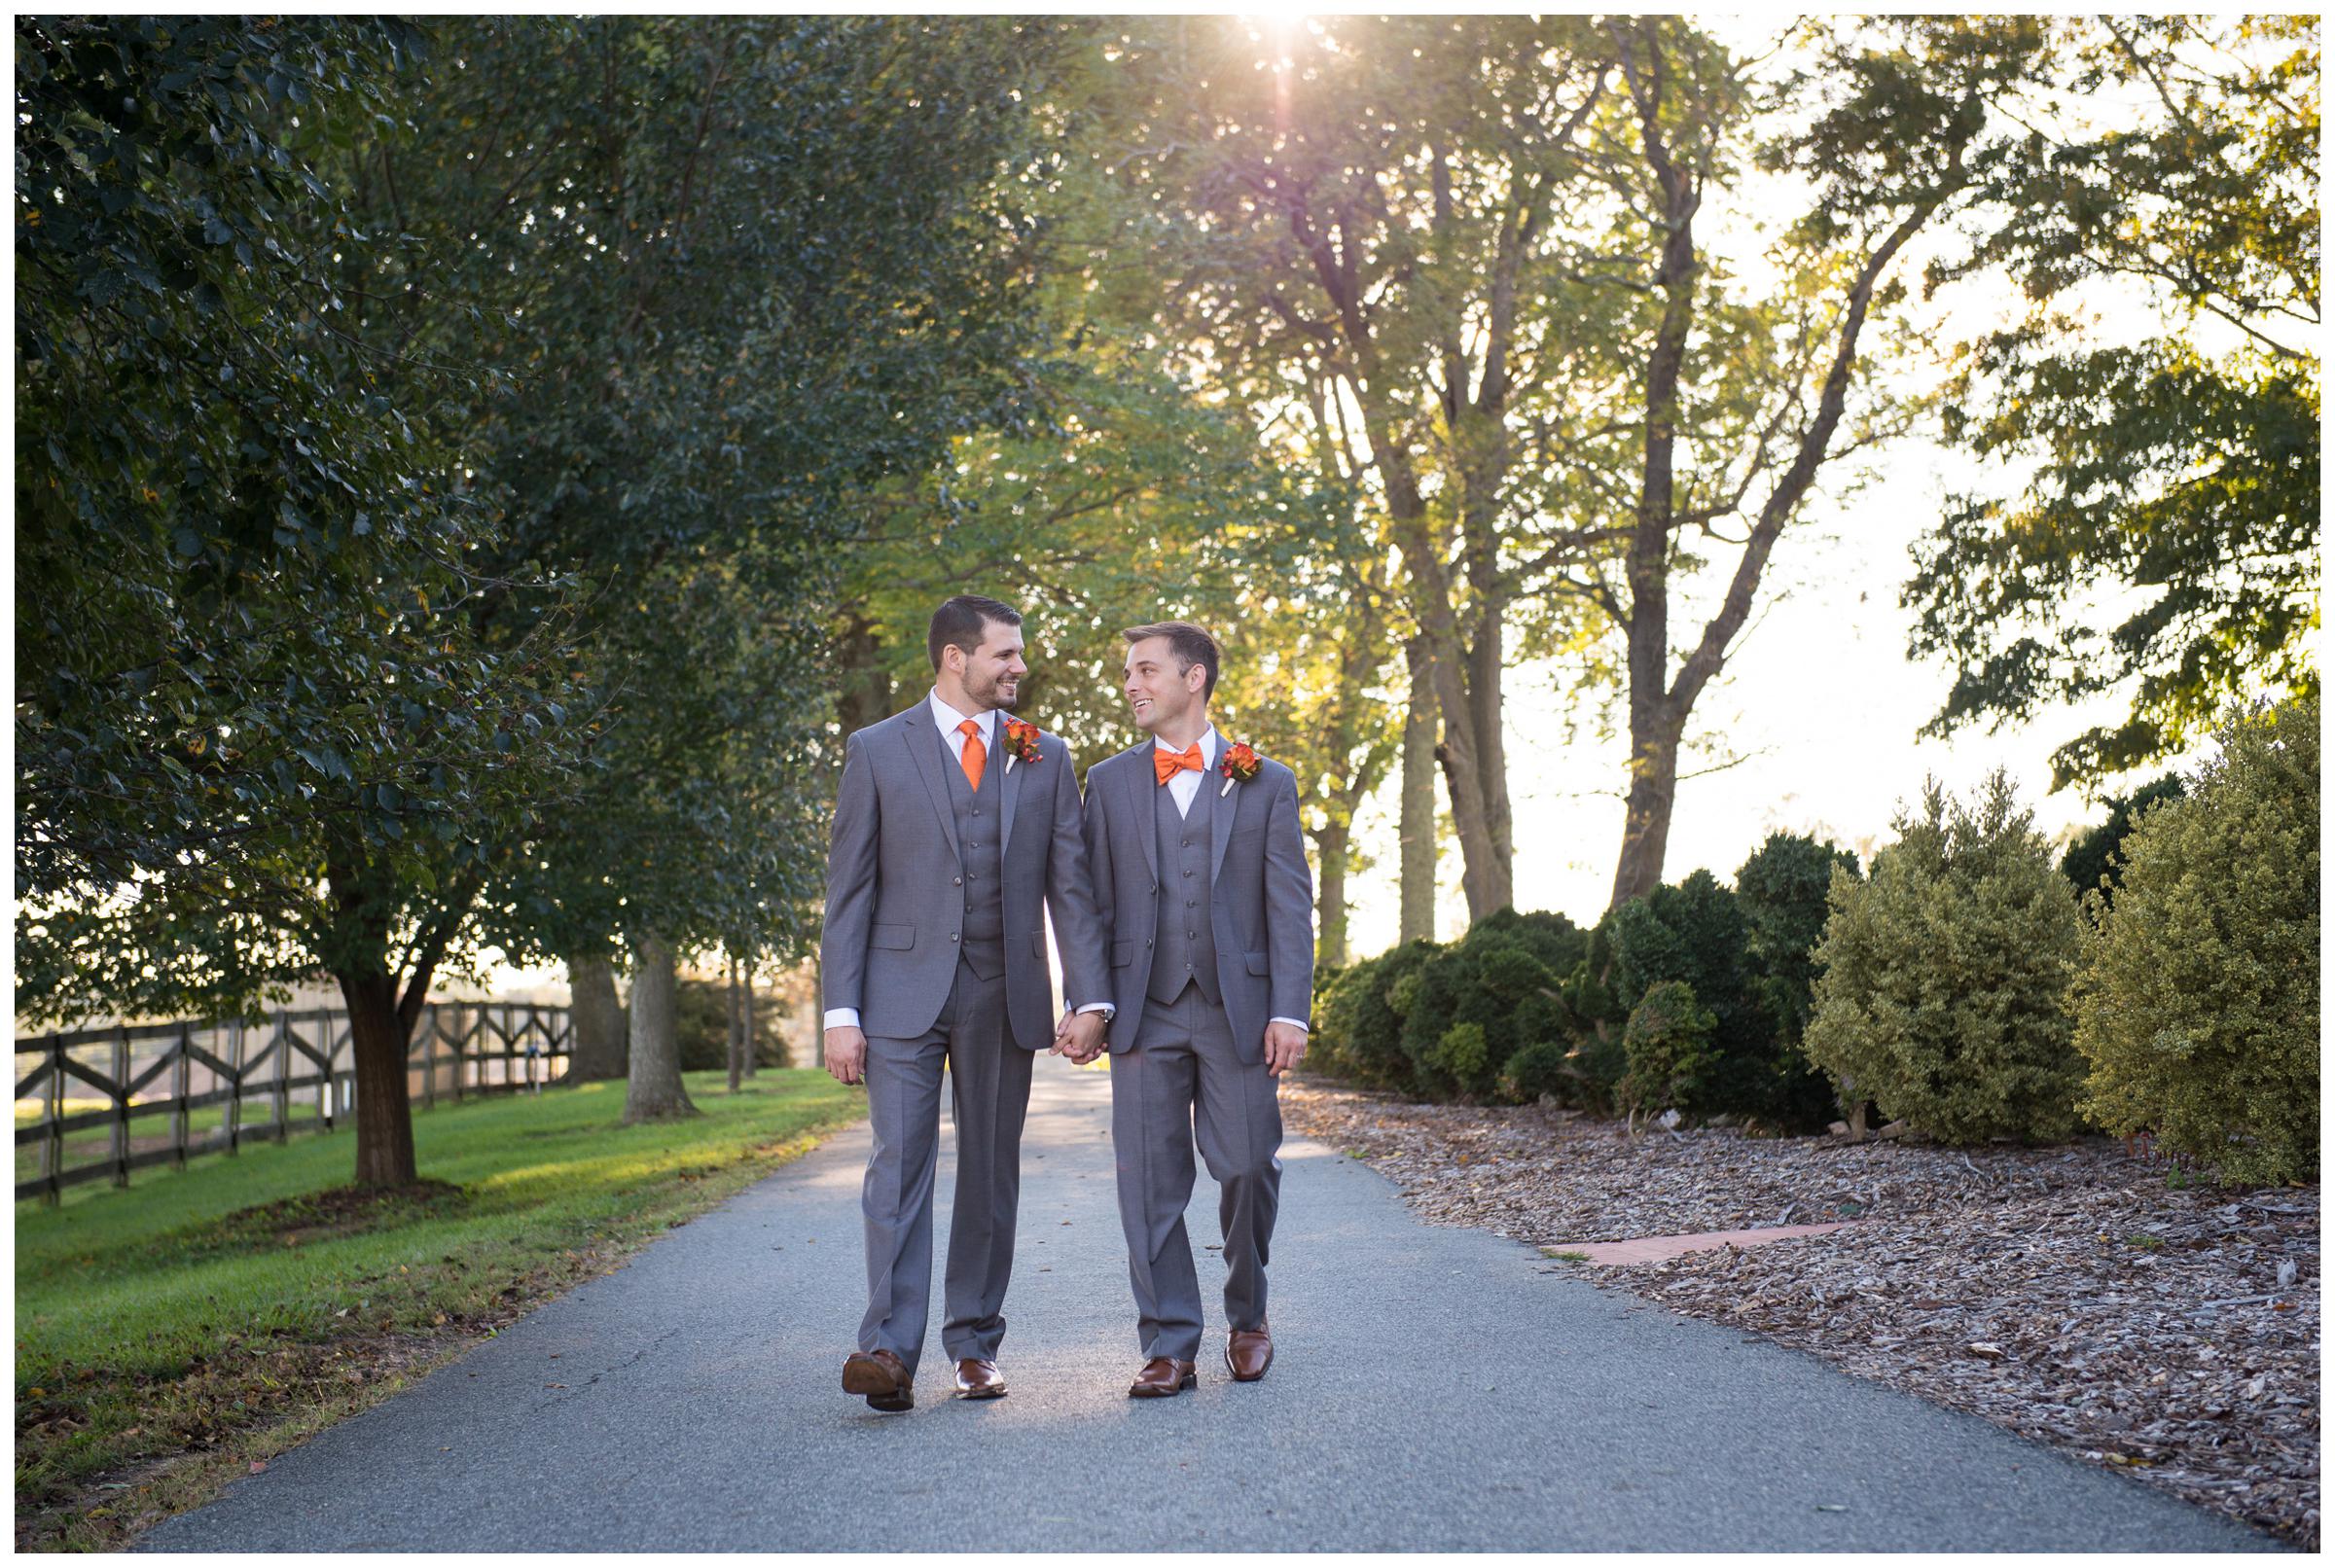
(1141, 780)
(1010, 786)
(1220, 820)
(922, 742)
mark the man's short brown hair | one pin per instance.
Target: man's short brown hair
(1190, 645)
(963, 621)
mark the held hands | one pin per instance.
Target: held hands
(1284, 1047)
(1079, 1036)
(847, 1054)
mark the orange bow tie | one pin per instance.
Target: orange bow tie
(1168, 763)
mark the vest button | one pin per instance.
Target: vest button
(958, 881)
(951, 936)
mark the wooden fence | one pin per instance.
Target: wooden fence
(148, 1072)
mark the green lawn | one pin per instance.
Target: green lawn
(225, 1312)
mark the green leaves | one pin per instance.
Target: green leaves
(2166, 547)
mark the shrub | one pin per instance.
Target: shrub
(1543, 1066)
(1497, 980)
(1590, 1018)
(1359, 1033)
(2091, 863)
(1695, 932)
(1667, 1045)
(1782, 890)
(1943, 978)
(2196, 1003)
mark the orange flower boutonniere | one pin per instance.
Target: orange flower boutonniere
(1021, 742)
(1241, 765)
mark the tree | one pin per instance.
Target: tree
(1747, 393)
(709, 351)
(256, 733)
(2168, 540)
(1369, 213)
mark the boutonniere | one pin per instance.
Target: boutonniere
(1021, 742)
(1240, 765)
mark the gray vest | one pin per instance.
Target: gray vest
(979, 818)
(1185, 953)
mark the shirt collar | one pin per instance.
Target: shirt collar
(948, 718)
(1207, 747)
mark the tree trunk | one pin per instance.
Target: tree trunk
(738, 1030)
(597, 1019)
(377, 1039)
(747, 1002)
(1653, 791)
(652, 1082)
(863, 688)
(1484, 699)
(1331, 846)
(1418, 828)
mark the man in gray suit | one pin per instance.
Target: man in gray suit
(952, 824)
(1200, 872)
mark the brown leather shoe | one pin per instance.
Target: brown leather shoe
(979, 1379)
(1248, 1352)
(1163, 1379)
(882, 1378)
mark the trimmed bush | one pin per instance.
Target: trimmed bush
(1668, 1046)
(1474, 999)
(1694, 931)
(1782, 889)
(2197, 1004)
(1545, 1066)
(1943, 979)
(1358, 1032)
(2091, 863)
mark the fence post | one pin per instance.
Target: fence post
(457, 1040)
(233, 1120)
(52, 1147)
(121, 1095)
(283, 1076)
(180, 1078)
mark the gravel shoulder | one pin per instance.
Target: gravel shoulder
(2073, 1295)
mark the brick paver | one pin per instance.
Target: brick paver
(1653, 1249)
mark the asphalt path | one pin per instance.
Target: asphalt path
(1433, 1388)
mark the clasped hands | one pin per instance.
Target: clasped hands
(1079, 1036)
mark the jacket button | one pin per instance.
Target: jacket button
(1147, 941)
(959, 881)
(951, 936)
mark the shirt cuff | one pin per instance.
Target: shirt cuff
(842, 1018)
(1297, 1023)
(1106, 1009)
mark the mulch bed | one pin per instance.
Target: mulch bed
(2104, 1303)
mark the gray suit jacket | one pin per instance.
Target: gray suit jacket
(1261, 906)
(895, 886)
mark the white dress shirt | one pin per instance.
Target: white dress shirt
(1184, 785)
(946, 719)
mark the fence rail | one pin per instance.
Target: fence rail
(181, 1070)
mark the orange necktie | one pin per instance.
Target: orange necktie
(976, 756)
(1168, 763)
